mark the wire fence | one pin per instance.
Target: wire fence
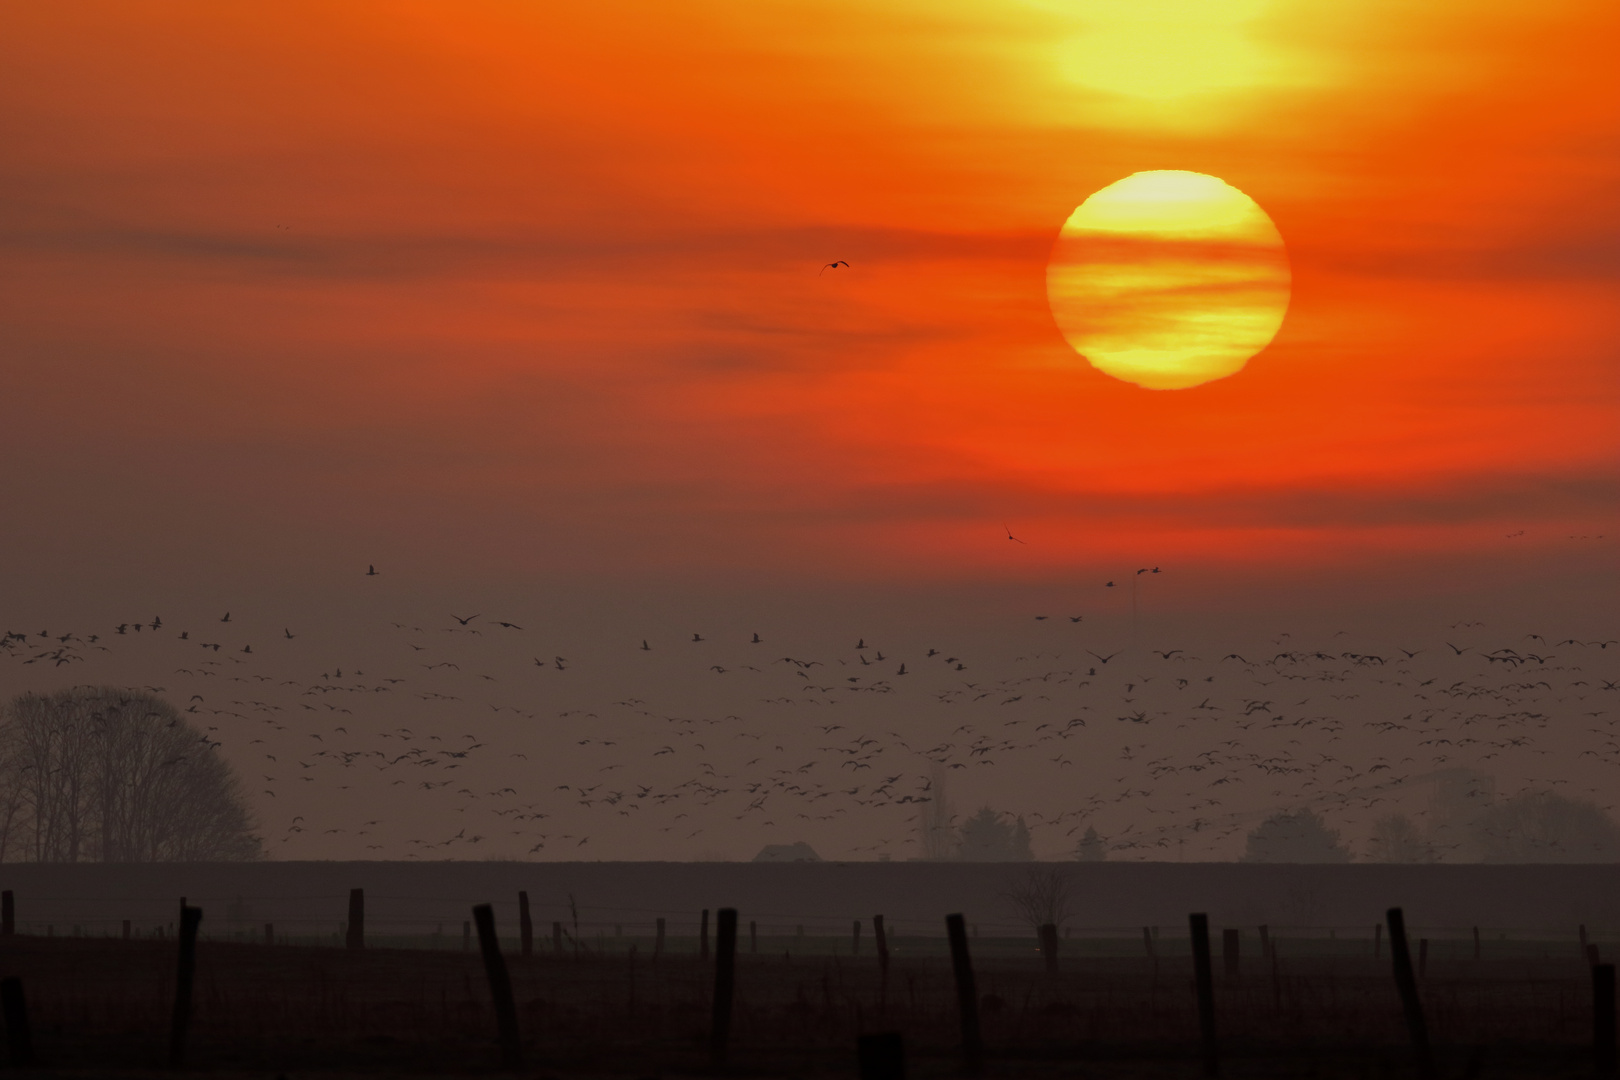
(445, 923)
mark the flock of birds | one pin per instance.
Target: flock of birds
(486, 736)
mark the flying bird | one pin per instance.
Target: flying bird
(835, 264)
(1010, 535)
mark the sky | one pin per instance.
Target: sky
(528, 306)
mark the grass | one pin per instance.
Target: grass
(104, 1004)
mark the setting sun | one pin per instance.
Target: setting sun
(1168, 279)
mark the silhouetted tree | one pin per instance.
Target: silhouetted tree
(1041, 896)
(987, 838)
(108, 775)
(1091, 847)
(1300, 837)
(1395, 839)
(1539, 827)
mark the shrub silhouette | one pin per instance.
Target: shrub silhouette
(1300, 837)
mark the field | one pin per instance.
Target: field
(1320, 1007)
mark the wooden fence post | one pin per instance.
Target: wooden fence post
(357, 919)
(882, 1056)
(725, 957)
(855, 944)
(525, 924)
(881, 938)
(14, 1008)
(500, 988)
(967, 993)
(19, 1039)
(1406, 983)
(658, 941)
(1204, 981)
(703, 937)
(1049, 945)
(8, 914)
(1231, 951)
(1603, 1020)
(190, 919)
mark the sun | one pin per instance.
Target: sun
(1168, 279)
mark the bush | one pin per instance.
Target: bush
(1300, 837)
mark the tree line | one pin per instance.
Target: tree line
(101, 774)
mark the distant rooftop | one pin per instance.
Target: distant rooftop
(798, 851)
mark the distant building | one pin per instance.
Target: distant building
(799, 851)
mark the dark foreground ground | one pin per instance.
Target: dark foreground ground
(102, 1007)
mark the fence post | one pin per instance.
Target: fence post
(1049, 945)
(1204, 981)
(1406, 983)
(658, 941)
(357, 919)
(855, 945)
(1147, 942)
(967, 993)
(1603, 1020)
(21, 1041)
(8, 914)
(1231, 946)
(525, 924)
(190, 918)
(725, 955)
(881, 938)
(703, 937)
(882, 1056)
(500, 987)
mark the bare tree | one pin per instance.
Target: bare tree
(1541, 827)
(98, 773)
(1396, 839)
(1041, 896)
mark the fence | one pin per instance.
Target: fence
(1330, 973)
(322, 920)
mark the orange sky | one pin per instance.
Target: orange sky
(537, 285)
